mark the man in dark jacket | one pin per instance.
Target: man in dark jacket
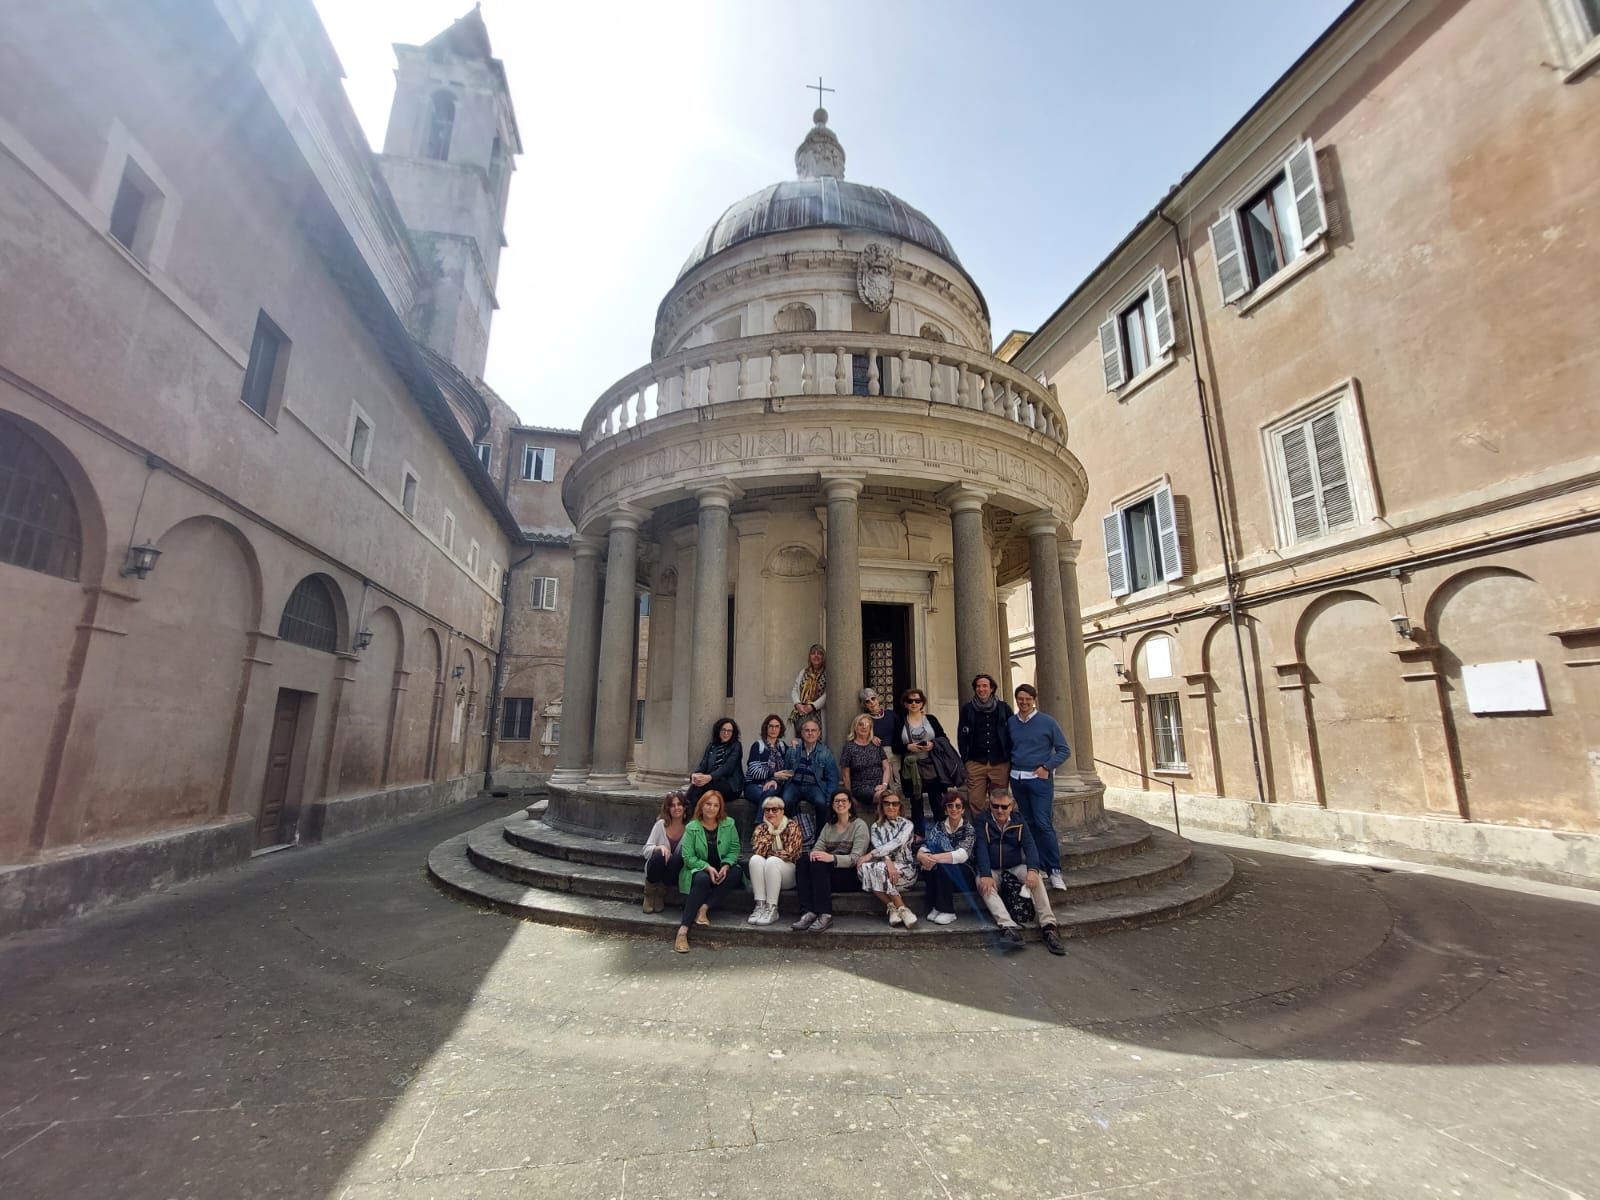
(984, 742)
(1005, 843)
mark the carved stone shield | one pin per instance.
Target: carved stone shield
(875, 276)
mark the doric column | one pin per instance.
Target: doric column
(1052, 663)
(708, 663)
(845, 679)
(575, 752)
(613, 706)
(1077, 657)
(975, 627)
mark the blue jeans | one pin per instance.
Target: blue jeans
(754, 793)
(1035, 805)
(794, 791)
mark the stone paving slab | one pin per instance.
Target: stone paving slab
(326, 1023)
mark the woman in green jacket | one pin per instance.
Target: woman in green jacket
(710, 850)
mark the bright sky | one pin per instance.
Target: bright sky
(1035, 134)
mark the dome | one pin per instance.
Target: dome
(819, 199)
(819, 203)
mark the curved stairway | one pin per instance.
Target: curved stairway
(1129, 874)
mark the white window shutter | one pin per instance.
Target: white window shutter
(538, 592)
(1333, 477)
(1161, 301)
(1228, 250)
(1308, 205)
(1300, 484)
(1116, 556)
(550, 593)
(1111, 353)
(547, 465)
(1167, 534)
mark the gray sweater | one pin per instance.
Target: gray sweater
(847, 847)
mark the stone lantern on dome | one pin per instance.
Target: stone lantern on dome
(821, 449)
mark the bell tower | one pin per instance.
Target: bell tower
(448, 157)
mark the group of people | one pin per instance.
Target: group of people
(857, 821)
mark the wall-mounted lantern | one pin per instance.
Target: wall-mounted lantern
(1402, 626)
(141, 560)
(363, 639)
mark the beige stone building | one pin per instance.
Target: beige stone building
(1337, 397)
(251, 565)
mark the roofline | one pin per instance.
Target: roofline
(1155, 213)
(546, 429)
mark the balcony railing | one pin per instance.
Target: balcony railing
(826, 363)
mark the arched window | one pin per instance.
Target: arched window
(441, 121)
(795, 318)
(311, 618)
(39, 528)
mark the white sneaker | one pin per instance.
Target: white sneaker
(894, 916)
(770, 915)
(755, 917)
(907, 917)
(934, 914)
(1056, 882)
(942, 918)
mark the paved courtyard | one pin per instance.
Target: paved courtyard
(323, 1022)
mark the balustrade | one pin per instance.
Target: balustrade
(823, 364)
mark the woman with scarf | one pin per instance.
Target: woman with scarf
(764, 772)
(775, 846)
(887, 869)
(721, 767)
(810, 691)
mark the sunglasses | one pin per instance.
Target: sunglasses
(916, 699)
(891, 804)
(1000, 807)
(953, 803)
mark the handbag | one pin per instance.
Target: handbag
(948, 768)
(1016, 899)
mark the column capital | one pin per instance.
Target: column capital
(1068, 548)
(717, 493)
(623, 516)
(842, 485)
(963, 497)
(587, 546)
(1036, 524)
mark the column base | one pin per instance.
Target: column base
(660, 778)
(609, 782)
(569, 776)
(1079, 804)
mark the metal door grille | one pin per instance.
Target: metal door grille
(880, 670)
(309, 618)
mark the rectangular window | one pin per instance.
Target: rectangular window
(1577, 31)
(1145, 542)
(472, 557)
(135, 211)
(539, 463)
(269, 362)
(485, 453)
(552, 734)
(544, 592)
(1166, 733)
(1138, 334)
(360, 442)
(638, 720)
(1314, 476)
(408, 495)
(1273, 227)
(126, 211)
(448, 534)
(516, 719)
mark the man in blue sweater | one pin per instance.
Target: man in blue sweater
(1038, 747)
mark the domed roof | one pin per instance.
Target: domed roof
(819, 199)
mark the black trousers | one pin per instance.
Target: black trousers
(945, 881)
(703, 891)
(816, 882)
(663, 870)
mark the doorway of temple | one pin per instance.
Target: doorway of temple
(886, 649)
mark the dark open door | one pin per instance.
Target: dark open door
(280, 766)
(886, 649)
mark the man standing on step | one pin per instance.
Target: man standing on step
(985, 742)
(1038, 747)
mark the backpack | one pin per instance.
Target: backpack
(1016, 899)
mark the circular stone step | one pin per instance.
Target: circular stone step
(484, 867)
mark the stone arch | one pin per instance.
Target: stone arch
(418, 714)
(367, 719)
(1230, 727)
(160, 750)
(87, 512)
(1106, 717)
(1519, 768)
(1362, 745)
(1137, 660)
(797, 317)
(315, 615)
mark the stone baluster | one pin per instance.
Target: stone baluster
(841, 372)
(685, 383)
(874, 384)
(905, 373)
(713, 392)
(738, 387)
(638, 411)
(935, 381)
(963, 387)
(807, 371)
(772, 372)
(986, 397)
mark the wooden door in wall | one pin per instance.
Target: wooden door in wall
(271, 827)
(886, 649)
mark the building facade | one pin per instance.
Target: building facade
(252, 567)
(1337, 396)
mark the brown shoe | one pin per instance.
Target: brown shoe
(649, 897)
(700, 917)
(682, 944)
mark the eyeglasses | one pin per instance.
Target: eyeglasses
(953, 804)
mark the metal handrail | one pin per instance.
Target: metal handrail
(1144, 777)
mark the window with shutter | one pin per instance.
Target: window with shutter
(1273, 227)
(1229, 255)
(1167, 534)
(1308, 206)
(1314, 475)
(1116, 558)
(539, 464)
(544, 592)
(1161, 310)
(1111, 354)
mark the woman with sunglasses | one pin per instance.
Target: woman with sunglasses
(830, 865)
(887, 869)
(775, 847)
(918, 729)
(946, 859)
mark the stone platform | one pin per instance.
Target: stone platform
(577, 863)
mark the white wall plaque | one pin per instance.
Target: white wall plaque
(1504, 687)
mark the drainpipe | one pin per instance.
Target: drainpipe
(499, 671)
(1229, 574)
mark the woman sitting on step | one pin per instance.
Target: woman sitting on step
(829, 867)
(710, 872)
(888, 870)
(764, 772)
(721, 766)
(775, 847)
(662, 861)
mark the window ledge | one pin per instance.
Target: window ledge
(1586, 59)
(255, 414)
(1182, 772)
(1154, 371)
(1286, 276)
